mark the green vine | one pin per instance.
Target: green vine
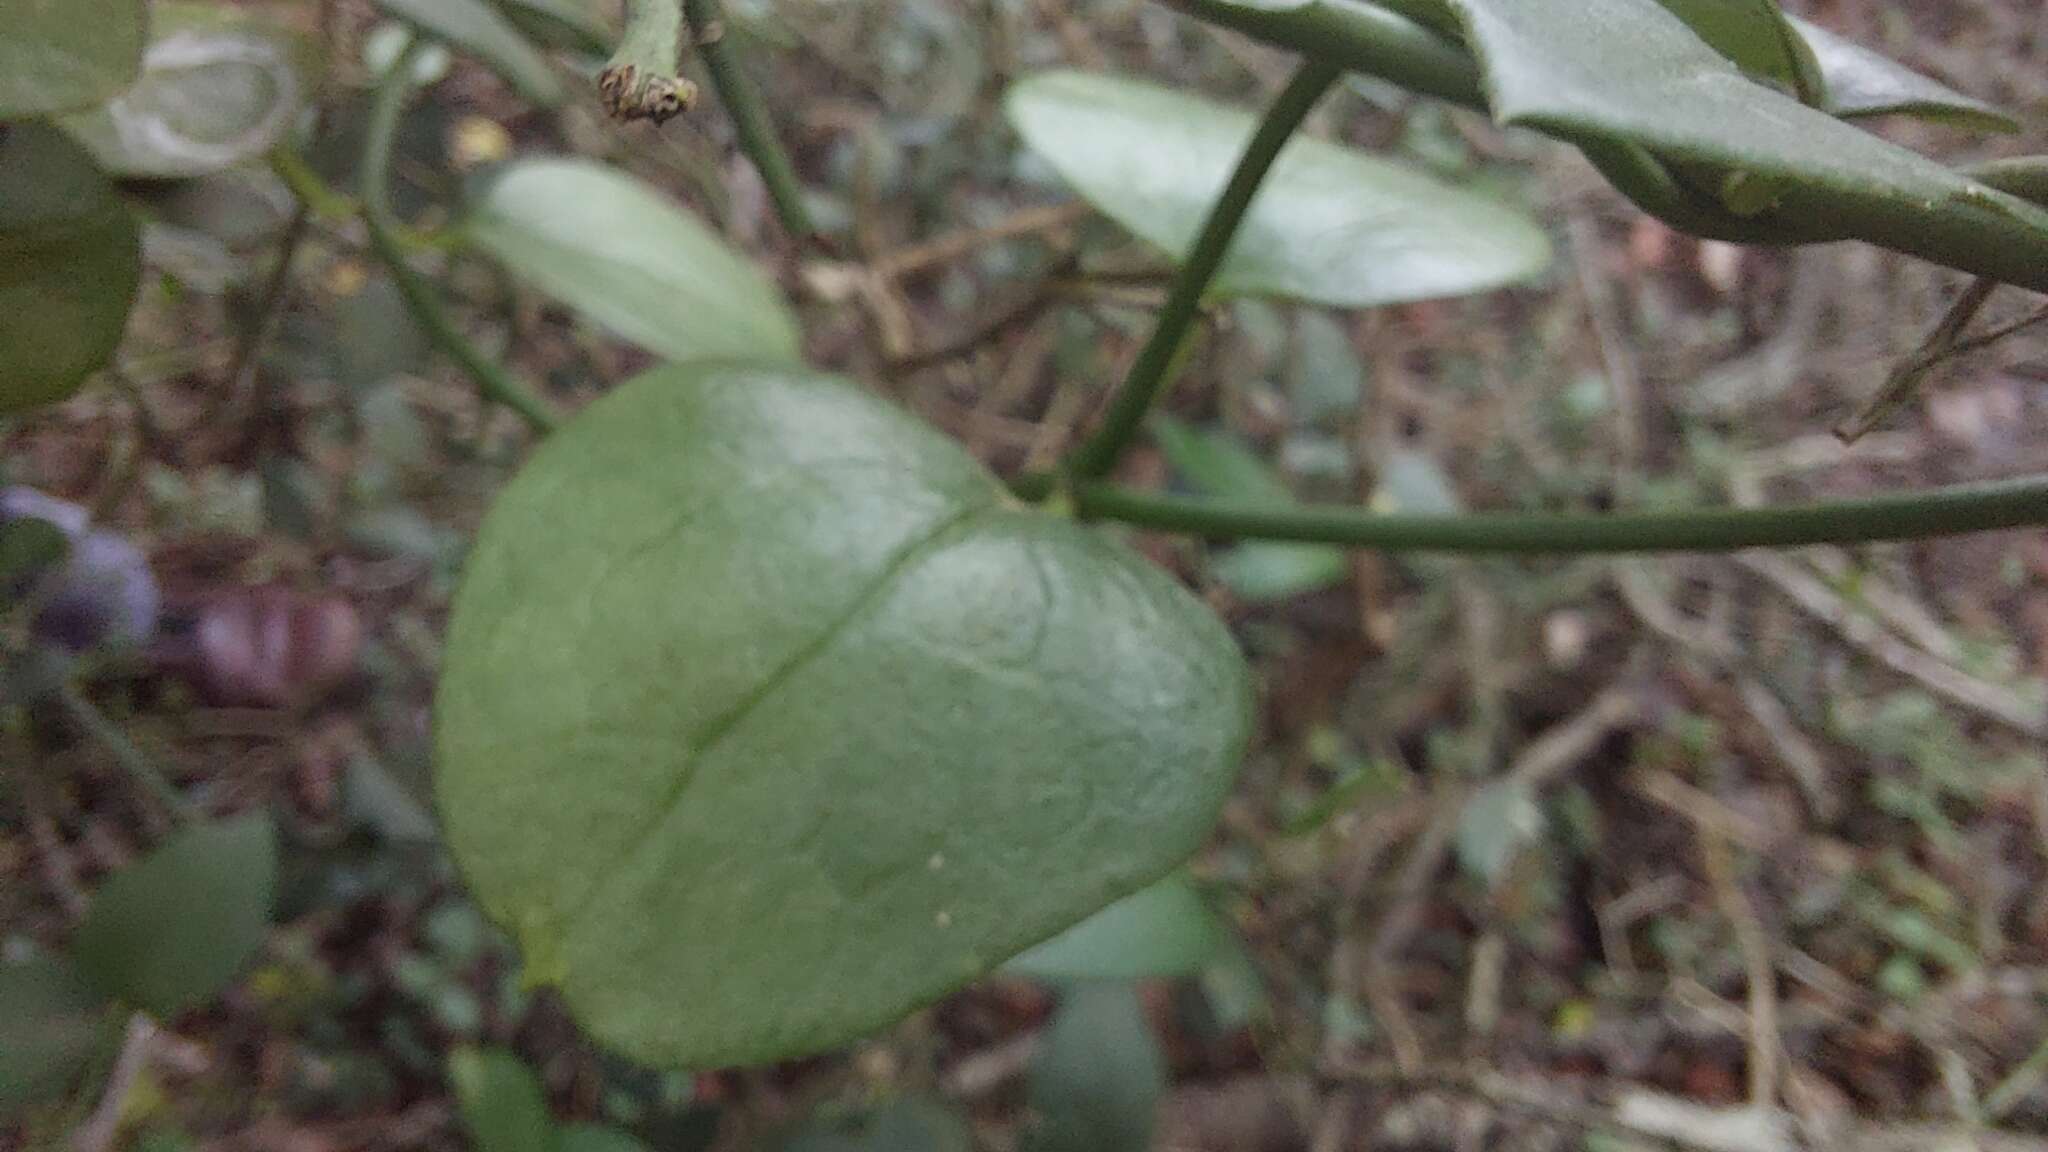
(1154, 367)
(491, 378)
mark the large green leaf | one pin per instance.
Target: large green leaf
(501, 1102)
(56, 55)
(171, 930)
(1860, 82)
(1215, 464)
(218, 86)
(1096, 1084)
(606, 244)
(70, 261)
(1758, 38)
(1592, 70)
(766, 717)
(50, 1026)
(1164, 930)
(473, 26)
(1330, 225)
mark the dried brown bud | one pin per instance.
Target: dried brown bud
(631, 93)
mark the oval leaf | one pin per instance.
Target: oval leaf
(608, 245)
(767, 718)
(171, 930)
(501, 1101)
(1860, 82)
(1330, 225)
(1095, 1086)
(1164, 930)
(59, 56)
(475, 27)
(70, 262)
(50, 1026)
(218, 86)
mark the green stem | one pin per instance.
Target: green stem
(1949, 511)
(750, 119)
(1366, 38)
(131, 759)
(641, 81)
(494, 381)
(1149, 374)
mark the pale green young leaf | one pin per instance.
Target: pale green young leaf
(619, 251)
(1330, 225)
(1097, 1081)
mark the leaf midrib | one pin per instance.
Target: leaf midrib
(719, 727)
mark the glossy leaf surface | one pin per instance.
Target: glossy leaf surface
(767, 718)
(474, 27)
(50, 1025)
(169, 931)
(1330, 225)
(1164, 930)
(1628, 69)
(616, 249)
(70, 261)
(58, 55)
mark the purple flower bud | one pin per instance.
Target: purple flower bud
(101, 595)
(17, 502)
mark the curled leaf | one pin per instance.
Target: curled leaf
(218, 87)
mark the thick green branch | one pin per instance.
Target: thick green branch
(1155, 363)
(1361, 37)
(1416, 44)
(750, 119)
(1903, 516)
(643, 79)
(492, 378)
